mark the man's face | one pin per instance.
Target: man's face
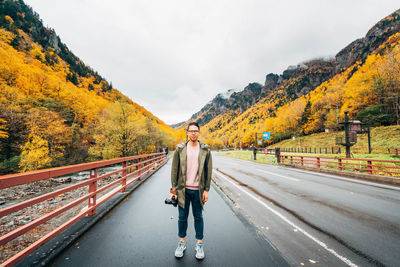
(193, 133)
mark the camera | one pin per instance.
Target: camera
(173, 201)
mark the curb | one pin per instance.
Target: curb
(48, 252)
(272, 253)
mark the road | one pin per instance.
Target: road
(315, 219)
(142, 231)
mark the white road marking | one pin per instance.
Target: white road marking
(332, 176)
(322, 244)
(283, 176)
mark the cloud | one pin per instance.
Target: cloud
(173, 56)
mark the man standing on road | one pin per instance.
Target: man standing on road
(190, 179)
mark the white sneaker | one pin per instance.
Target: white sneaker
(199, 251)
(180, 249)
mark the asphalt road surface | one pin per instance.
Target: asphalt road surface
(315, 219)
(142, 231)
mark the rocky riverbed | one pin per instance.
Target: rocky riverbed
(13, 195)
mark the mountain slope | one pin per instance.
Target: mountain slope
(55, 113)
(308, 99)
(302, 78)
(295, 81)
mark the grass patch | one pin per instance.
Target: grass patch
(357, 166)
(382, 138)
(248, 155)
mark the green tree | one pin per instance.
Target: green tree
(305, 116)
(376, 115)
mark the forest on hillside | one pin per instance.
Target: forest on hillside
(56, 111)
(369, 90)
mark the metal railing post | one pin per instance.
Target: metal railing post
(340, 164)
(92, 188)
(124, 173)
(139, 166)
(369, 166)
(302, 161)
(318, 162)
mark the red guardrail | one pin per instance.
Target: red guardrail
(394, 151)
(139, 166)
(370, 166)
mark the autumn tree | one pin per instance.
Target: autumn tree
(35, 154)
(3, 133)
(119, 132)
(387, 83)
(14, 127)
(48, 125)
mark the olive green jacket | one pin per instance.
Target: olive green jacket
(178, 171)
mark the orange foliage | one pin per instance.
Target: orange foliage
(53, 105)
(352, 90)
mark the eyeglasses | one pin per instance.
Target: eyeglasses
(193, 131)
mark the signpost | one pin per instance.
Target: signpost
(350, 138)
(351, 129)
(259, 140)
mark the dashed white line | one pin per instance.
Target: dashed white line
(322, 244)
(275, 174)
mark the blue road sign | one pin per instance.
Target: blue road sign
(266, 135)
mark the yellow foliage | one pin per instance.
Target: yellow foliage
(36, 52)
(353, 90)
(3, 134)
(6, 36)
(35, 154)
(9, 19)
(36, 83)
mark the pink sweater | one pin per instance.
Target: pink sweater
(192, 163)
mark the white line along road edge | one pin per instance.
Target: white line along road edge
(283, 176)
(322, 244)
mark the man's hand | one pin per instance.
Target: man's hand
(205, 196)
(172, 192)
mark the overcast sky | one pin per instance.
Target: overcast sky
(173, 56)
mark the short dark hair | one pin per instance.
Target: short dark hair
(193, 123)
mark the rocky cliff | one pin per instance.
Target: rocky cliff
(361, 48)
(299, 79)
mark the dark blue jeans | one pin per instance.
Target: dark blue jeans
(191, 196)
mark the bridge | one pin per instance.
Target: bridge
(257, 215)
